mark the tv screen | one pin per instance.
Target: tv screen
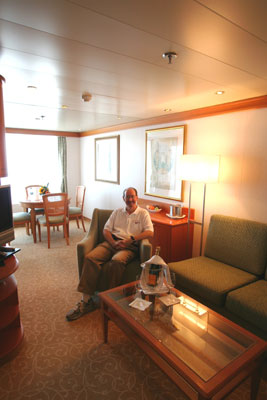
(6, 215)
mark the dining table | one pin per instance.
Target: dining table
(33, 205)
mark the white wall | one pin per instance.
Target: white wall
(241, 140)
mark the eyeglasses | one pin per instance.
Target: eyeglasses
(130, 196)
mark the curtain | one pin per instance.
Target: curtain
(62, 156)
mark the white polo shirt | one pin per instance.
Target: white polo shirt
(124, 225)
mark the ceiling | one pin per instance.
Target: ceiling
(113, 50)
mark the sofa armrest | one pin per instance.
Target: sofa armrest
(145, 250)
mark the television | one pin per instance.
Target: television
(6, 215)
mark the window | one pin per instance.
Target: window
(31, 160)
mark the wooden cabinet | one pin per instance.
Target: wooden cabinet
(11, 330)
(171, 236)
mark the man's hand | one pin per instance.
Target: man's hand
(122, 244)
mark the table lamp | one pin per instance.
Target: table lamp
(198, 168)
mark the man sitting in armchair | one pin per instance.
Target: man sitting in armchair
(122, 232)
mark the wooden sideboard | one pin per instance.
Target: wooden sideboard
(171, 234)
(11, 329)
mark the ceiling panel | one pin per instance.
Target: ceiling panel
(113, 50)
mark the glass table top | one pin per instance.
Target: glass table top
(204, 341)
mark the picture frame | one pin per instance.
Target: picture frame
(107, 159)
(163, 148)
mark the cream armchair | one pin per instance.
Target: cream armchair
(95, 236)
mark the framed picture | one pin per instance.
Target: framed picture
(163, 148)
(107, 159)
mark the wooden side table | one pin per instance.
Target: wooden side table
(11, 329)
(171, 236)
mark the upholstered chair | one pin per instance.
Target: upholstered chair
(22, 219)
(95, 236)
(56, 214)
(32, 192)
(77, 211)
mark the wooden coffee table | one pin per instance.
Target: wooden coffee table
(203, 353)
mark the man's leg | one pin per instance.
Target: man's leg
(92, 267)
(88, 282)
(114, 269)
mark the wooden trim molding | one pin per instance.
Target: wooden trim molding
(42, 132)
(239, 105)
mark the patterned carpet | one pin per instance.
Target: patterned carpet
(61, 360)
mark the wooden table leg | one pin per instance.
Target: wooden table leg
(255, 383)
(105, 322)
(33, 222)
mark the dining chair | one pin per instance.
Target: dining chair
(32, 193)
(56, 214)
(77, 211)
(22, 219)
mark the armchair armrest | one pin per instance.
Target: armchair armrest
(145, 250)
(87, 244)
(83, 247)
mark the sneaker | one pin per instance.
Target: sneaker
(81, 309)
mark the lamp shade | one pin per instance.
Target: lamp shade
(199, 168)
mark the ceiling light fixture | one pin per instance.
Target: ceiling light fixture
(86, 96)
(170, 55)
(219, 92)
(167, 109)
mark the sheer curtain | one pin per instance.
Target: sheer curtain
(32, 160)
(62, 156)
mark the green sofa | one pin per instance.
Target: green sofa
(231, 277)
(95, 236)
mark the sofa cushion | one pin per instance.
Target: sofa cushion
(238, 242)
(249, 303)
(208, 278)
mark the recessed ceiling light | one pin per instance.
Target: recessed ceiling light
(167, 109)
(219, 92)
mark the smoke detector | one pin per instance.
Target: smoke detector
(170, 55)
(86, 96)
